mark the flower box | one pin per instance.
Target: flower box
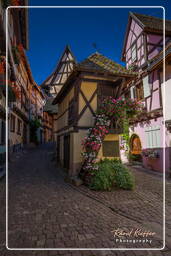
(151, 153)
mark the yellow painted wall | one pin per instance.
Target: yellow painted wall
(75, 151)
(88, 88)
(63, 120)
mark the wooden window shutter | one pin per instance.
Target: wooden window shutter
(146, 86)
(132, 90)
(134, 52)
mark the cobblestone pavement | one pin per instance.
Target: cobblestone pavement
(46, 212)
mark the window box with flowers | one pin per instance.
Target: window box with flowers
(132, 67)
(151, 153)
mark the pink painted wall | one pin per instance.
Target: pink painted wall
(155, 39)
(131, 39)
(153, 102)
(155, 164)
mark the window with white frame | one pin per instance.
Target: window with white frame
(146, 86)
(133, 92)
(153, 135)
(134, 52)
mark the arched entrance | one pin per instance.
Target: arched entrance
(135, 146)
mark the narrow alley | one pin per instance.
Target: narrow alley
(47, 212)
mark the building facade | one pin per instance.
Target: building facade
(143, 45)
(78, 100)
(25, 99)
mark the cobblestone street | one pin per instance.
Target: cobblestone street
(46, 212)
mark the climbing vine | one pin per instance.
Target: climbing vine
(111, 111)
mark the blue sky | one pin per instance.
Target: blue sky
(50, 29)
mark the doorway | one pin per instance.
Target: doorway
(66, 163)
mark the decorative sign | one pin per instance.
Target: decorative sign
(111, 148)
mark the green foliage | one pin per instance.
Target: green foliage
(126, 130)
(133, 157)
(104, 177)
(123, 178)
(112, 173)
(110, 161)
(35, 124)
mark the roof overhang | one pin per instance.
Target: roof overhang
(78, 70)
(24, 17)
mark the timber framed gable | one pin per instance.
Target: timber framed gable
(53, 84)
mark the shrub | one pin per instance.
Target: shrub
(123, 178)
(110, 161)
(133, 157)
(112, 173)
(104, 177)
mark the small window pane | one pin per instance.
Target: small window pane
(134, 52)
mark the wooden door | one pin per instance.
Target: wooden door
(66, 163)
(136, 148)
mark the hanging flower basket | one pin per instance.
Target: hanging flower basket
(130, 113)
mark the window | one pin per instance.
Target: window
(146, 87)
(128, 95)
(139, 91)
(12, 123)
(71, 112)
(111, 148)
(134, 52)
(136, 92)
(153, 135)
(19, 126)
(133, 92)
(105, 90)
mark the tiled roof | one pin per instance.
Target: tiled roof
(152, 22)
(49, 107)
(98, 62)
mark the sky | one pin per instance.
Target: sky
(51, 29)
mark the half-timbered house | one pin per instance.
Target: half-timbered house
(91, 80)
(51, 87)
(54, 82)
(157, 63)
(143, 44)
